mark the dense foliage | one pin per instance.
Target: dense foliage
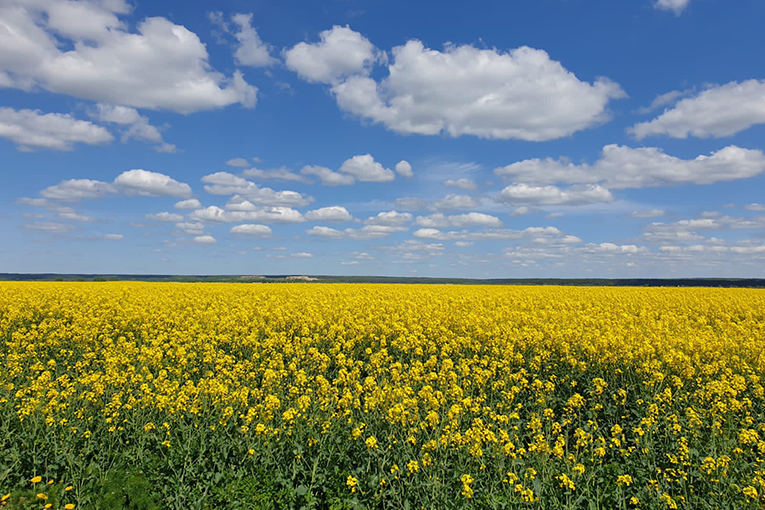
(162, 395)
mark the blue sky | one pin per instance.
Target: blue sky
(544, 138)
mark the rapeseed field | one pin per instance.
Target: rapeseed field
(194, 396)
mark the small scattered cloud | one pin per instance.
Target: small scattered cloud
(189, 204)
(152, 184)
(650, 213)
(165, 217)
(404, 168)
(332, 213)
(327, 176)
(206, 239)
(365, 169)
(252, 230)
(462, 183)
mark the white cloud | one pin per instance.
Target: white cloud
(205, 240)
(135, 126)
(718, 111)
(522, 211)
(77, 189)
(452, 201)
(652, 213)
(165, 216)
(662, 100)
(365, 169)
(473, 219)
(34, 202)
(49, 226)
(302, 255)
(389, 218)
(191, 228)
(551, 195)
(463, 183)
(325, 232)
(332, 213)
(224, 183)
(85, 50)
(67, 213)
(280, 174)
(464, 90)
(272, 215)
(251, 50)
(404, 168)
(677, 6)
(368, 232)
(615, 248)
(113, 237)
(622, 167)
(328, 177)
(412, 203)
(32, 129)
(341, 52)
(534, 233)
(189, 204)
(252, 230)
(364, 233)
(755, 207)
(238, 162)
(152, 184)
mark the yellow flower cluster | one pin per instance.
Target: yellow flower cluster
(501, 377)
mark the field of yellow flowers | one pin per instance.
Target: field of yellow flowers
(194, 396)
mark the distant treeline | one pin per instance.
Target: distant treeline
(598, 282)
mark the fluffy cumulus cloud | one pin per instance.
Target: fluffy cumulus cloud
(325, 232)
(364, 168)
(404, 168)
(151, 184)
(538, 234)
(272, 215)
(206, 239)
(238, 162)
(224, 183)
(191, 228)
(473, 219)
(523, 194)
(464, 90)
(251, 51)
(332, 213)
(76, 189)
(365, 233)
(327, 176)
(32, 129)
(715, 112)
(677, 6)
(165, 216)
(87, 50)
(340, 52)
(252, 230)
(389, 219)
(623, 167)
(134, 125)
(189, 204)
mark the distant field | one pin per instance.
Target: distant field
(216, 395)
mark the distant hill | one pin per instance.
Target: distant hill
(617, 282)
